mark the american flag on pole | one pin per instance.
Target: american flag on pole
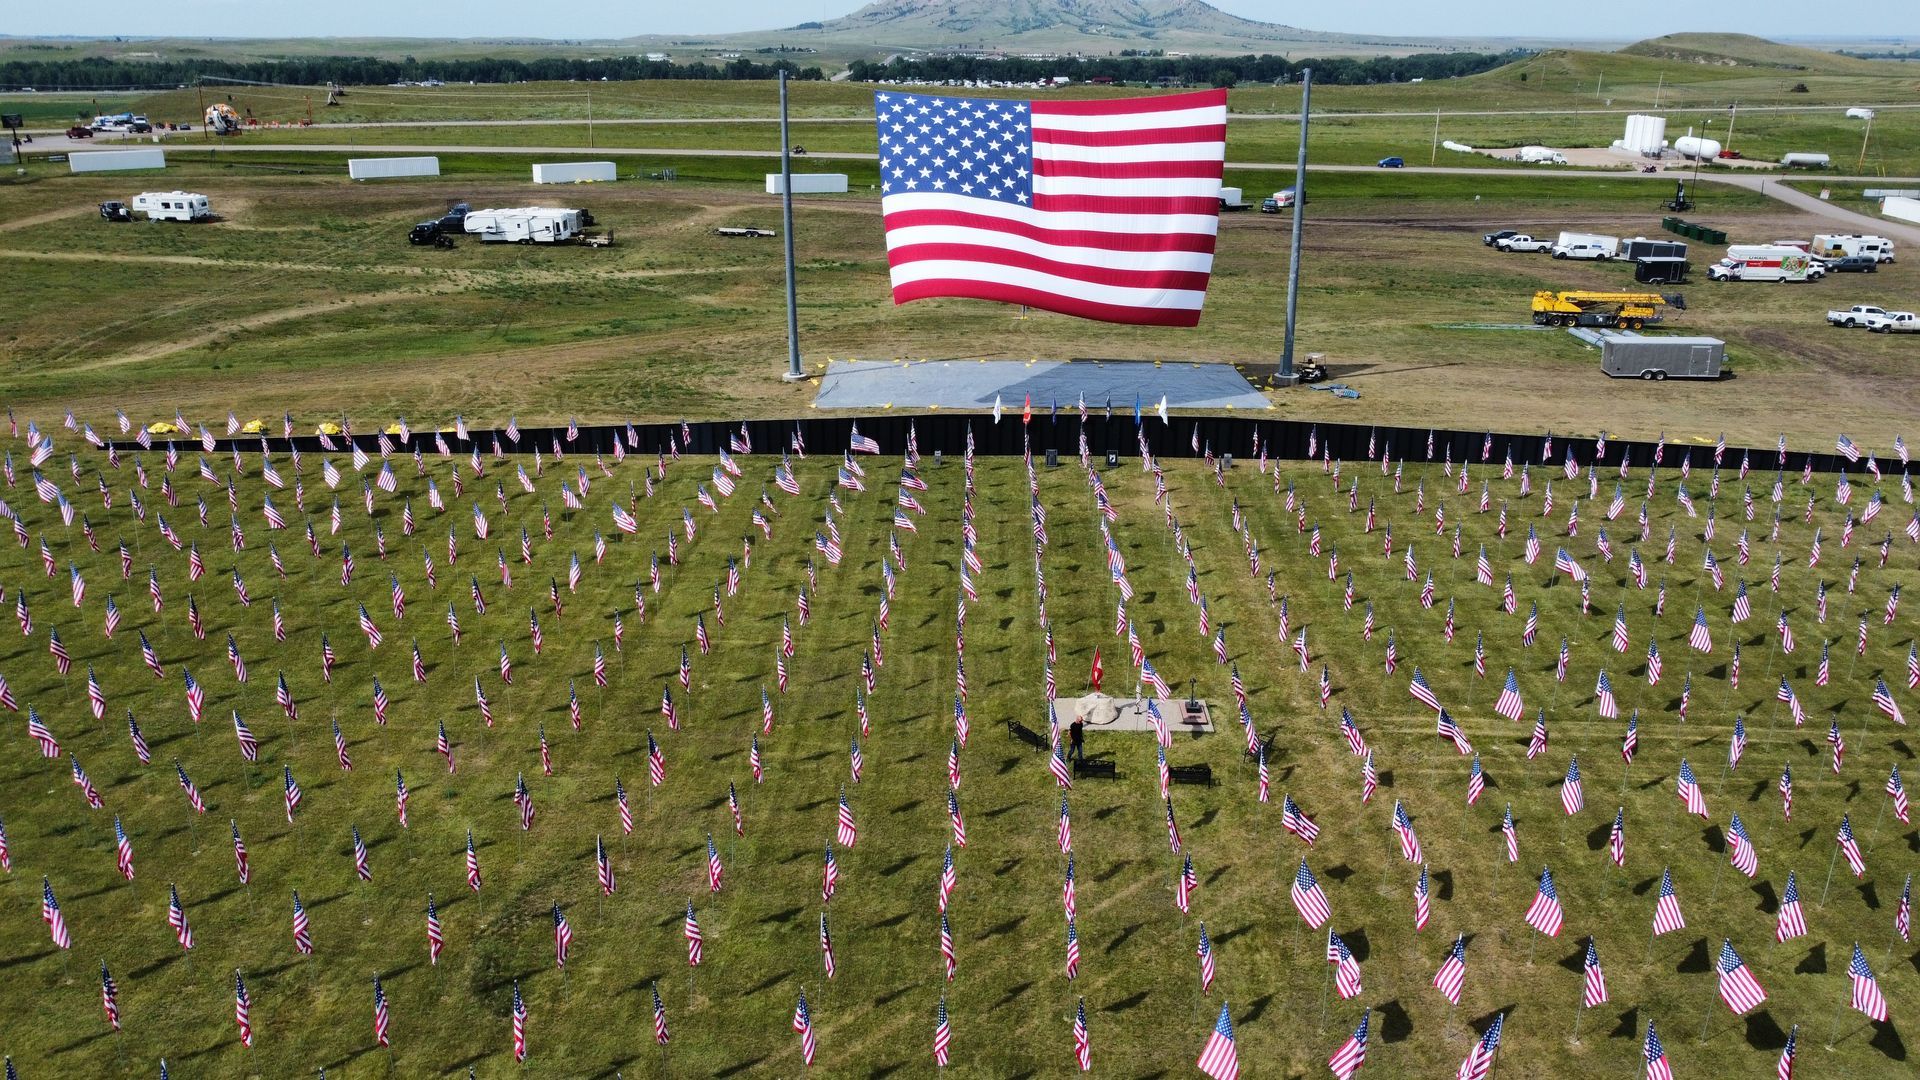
(1666, 910)
(1544, 913)
(1219, 1058)
(1103, 210)
(1453, 970)
(1867, 996)
(1479, 1061)
(1352, 1054)
(1308, 899)
(1656, 1054)
(1738, 988)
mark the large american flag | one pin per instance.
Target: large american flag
(1103, 209)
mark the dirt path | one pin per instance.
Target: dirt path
(48, 217)
(231, 326)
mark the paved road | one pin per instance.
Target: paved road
(1850, 219)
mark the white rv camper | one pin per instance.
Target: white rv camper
(173, 206)
(526, 224)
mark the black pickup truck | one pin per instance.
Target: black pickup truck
(440, 231)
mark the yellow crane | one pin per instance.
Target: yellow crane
(1628, 310)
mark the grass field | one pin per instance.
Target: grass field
(306, 296)
(1010, 1003)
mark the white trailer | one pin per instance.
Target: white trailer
(388, 167)
(1832, 245)
(525, 224)
(810, 183)
(1858, 113)
(173, 205)
(1806, 161)
(117, 160)
(1575, 245)
(1540, 155)
(575, 172)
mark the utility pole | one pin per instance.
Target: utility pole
(1435, 157)
(1863, 145)
(589, 115)
(1733, 114)
(1286, 376)
(794, 374)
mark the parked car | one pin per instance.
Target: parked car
(1395, 162)
(140, 125)
(1523, 242)
(79, 131)
(1492, 238)
(1894, 322)
(115, 211)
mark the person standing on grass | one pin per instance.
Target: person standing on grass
(1076, 740)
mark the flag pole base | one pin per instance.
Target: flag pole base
(793, 376)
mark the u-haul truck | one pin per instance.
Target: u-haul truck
(1765, 262)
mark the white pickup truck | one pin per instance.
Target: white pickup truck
(1857, 315)
(1523, 242)
(1894, 322)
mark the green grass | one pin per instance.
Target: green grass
(50, 110)
(1010, 1004)
(307, 296)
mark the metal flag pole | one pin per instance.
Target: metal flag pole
(793, 374)
(1286, 376)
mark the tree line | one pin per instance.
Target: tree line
(1195, 70)
(100, 72)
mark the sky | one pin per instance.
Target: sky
(1618, 20)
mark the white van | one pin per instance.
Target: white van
(173, 206)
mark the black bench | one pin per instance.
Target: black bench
(1027, 735)
(1191, 774)
(1101, 768)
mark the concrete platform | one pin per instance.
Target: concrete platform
(973, 384)
(1103, 713)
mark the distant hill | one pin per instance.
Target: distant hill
(1745, 50)
(1052, 26)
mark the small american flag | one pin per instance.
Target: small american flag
(380, 1015)
(1666, 910)
(1656, 1055)
(1219, 1058)
(1594, 979)
(1738, 988)
(519, 1024)
(803, 1023)
(1352, 1054)
(1308, 899)
(1544, 914)
(1082, 1047)
(1791, 921)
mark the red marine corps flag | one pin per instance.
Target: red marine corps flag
(1103, 210)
